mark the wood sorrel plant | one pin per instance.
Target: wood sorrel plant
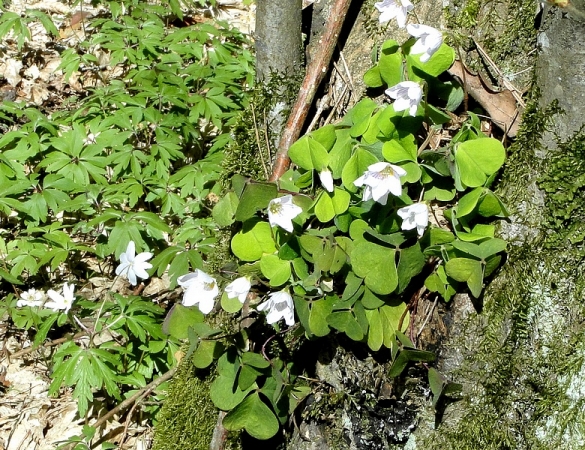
(341, 255)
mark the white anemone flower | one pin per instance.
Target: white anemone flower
(407, 94)
(381, 179)
(281, 212)
(200, 289)
(415, 216)
(428, 42)
(32, 297)
(61, 301)
(280, 306)
(133, 265)
(239, 288)
(326, 179)
(389, 9)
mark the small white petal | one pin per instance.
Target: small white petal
(415, 216)
(280, 305)
(281, 212)
(326, 180)
(239, 288)
(381, 179)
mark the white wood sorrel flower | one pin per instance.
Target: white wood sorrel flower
(133, 265)
(280, 306)
(326, 179)
(239, 288)
(200, 289)
(59, 301)
(381, 179)
(415, 216)
(428, 42)
(389, 9)
(32, 297)
(407, 94)
(281, 212)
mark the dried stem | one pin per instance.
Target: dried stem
(315, 73)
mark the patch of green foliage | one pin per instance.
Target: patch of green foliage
(324, 264)
(135, 158)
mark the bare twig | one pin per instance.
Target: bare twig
(315, 74)
(137, 396)
(48, 344)
(220, 434)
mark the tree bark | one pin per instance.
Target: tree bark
(278, 38)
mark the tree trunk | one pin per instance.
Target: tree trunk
(278, 38)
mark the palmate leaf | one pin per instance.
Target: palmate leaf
(85, 368)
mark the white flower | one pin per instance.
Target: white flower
(32, 297)
(415, 216)
(389, 9)
(281, 212)
(326, 179)
(380, 179)
(428, 42)
(61, 301)
(408, 95)
(239, 288)
(200, 289)
(280, 306)
(133, 265)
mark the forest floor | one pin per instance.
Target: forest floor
(30, 419)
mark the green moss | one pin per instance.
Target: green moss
(188, 416)
(505, 31)
(525, 353)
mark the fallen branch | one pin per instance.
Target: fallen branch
(138, 395)
(316, 71)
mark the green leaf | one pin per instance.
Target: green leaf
(375, 329)
(326, 136)
(355, 167)
(468, 202)
(254, 416)
(390, 63)
(478, 159)
(394, 152)
(341, 152)
(207, 351)
(376, 265)
(253, 241)
(346, 322)
(372, 78)
(320, 310)
(411, 264)
(224, 211)
(179, 319)
(406, 356)
(490, 205)
(441, 60)
(278, 271)
(230, 305)
(255, 360)
(468, 270)
(256, 197)
(309, 154)
(329, 204)
(226, 394)
(391, 314)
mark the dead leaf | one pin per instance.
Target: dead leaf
(10, 70)
(501, 106)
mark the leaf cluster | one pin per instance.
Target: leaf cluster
(349, 263)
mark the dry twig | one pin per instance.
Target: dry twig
(315, 74)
